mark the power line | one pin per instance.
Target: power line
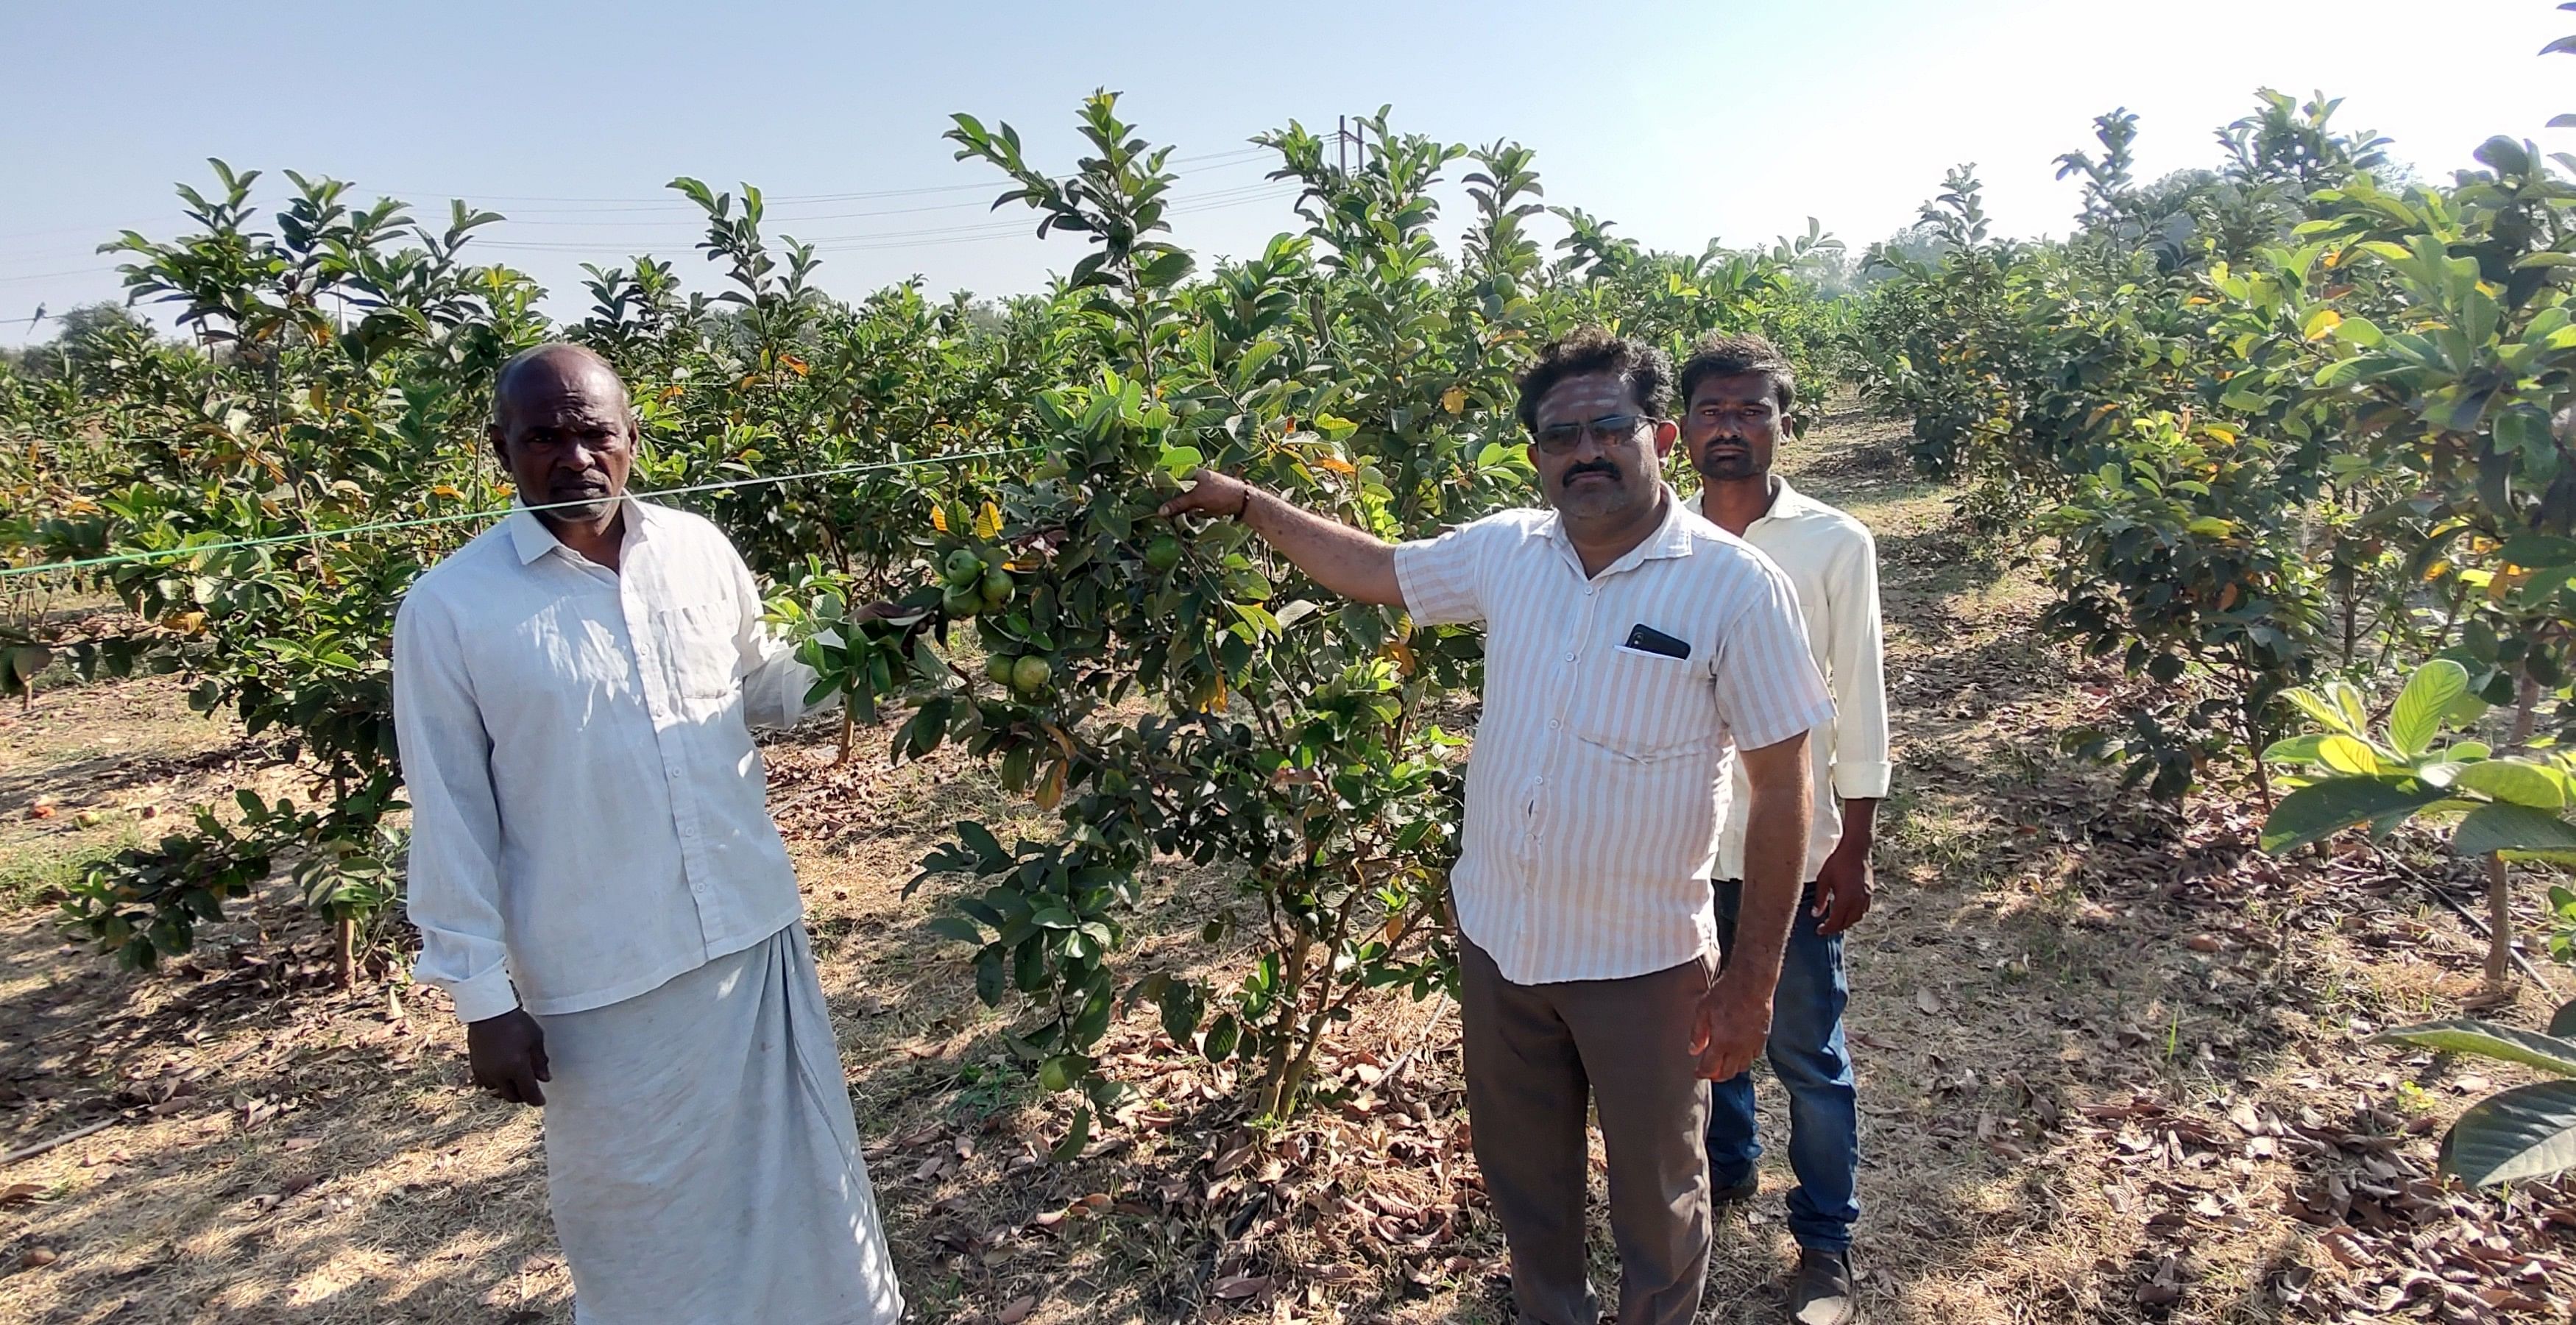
(665, 201)
(388, 526)
(860, 241)
(1005, 227)
(770, 216)
(50, 275)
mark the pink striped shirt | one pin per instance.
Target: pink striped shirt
(1601, 769)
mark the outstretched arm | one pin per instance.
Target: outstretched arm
(1351, 562)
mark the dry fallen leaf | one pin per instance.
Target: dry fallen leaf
(1928, 1001)
(1017, 1311)
(1241, 1286)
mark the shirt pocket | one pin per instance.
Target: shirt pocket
(1647, 708)
(699, 653)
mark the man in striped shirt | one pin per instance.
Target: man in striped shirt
(1633, 653)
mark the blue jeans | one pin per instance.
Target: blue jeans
(1808, 1057)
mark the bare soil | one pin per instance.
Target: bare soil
(2115, 1064)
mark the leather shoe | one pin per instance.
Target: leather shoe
(1724, 1198)
(1824, 1292)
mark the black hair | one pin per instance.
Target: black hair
(1724, 354)
(1647, 371)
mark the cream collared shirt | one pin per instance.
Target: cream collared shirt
(1833, 561)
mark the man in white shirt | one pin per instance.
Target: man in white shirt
(1735, 392)
(1633, 652)
(599, 886)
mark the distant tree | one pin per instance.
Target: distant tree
(85, 336)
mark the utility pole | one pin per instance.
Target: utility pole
(1342, 143)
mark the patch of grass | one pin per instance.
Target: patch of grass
(985, 1090)
(42, 873)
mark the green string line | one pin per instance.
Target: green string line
(172, 554)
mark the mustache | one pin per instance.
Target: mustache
(1588, 467)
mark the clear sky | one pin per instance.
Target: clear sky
(1678, 121)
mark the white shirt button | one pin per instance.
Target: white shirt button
(1553, 724)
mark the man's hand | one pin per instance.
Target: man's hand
(508, 1056)
(1734, 1020)
(1211, 493)
(1842, 886)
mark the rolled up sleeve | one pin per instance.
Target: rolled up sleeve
(454, 886)
(1768, 689)
(774, 684)
(1856, 653)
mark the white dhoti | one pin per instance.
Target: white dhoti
(701, 1157)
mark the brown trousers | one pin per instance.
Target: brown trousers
(1533, 1053)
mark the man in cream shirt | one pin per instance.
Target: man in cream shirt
(1735, 392)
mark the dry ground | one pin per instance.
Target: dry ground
(2115, 1066)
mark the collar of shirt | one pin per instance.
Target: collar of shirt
(1670, 539)
(1787, 503)
(531, 539)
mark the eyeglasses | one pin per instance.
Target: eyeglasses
(1608, 430)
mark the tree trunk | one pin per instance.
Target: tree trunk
(1276, 1069)
(849, 732)
(2499, 888)
(2499, 925)
(2351, 615)
(345, 951)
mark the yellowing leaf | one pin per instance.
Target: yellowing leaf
(2321, 322)
(1454, 399)
(1337, 464)
(988, 525)
(794, 364)
(2343, 754)
(443, 490)
(1050, 791)
(939, 519)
